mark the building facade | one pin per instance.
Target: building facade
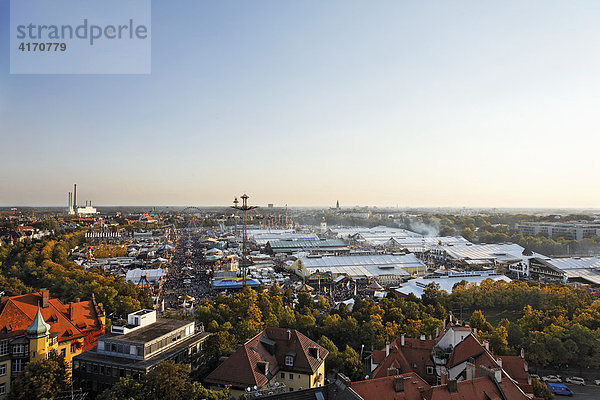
(134, 349)
(276, 356)
(33, 325)
(568, 230)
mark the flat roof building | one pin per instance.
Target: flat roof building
(579, 269)
(575, 230)
(132, 350)
(293, 246)
(387, 268)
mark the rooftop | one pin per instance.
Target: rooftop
(148, 333)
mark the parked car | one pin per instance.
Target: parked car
(575, 380)
(597, 382)
(551, 378)
(535, 376)
(560, 389)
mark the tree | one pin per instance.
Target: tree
(167, 381)
(541, 390)
(126, 389)
(479, 322)
(41, 379)
(350, 364)
(431, 294)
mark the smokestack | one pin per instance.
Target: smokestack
(75, 196)
(68, 202)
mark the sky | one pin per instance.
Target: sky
(408, 103)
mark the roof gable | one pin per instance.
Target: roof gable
(271, 346)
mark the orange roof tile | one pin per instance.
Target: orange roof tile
(482, 388)
(383, 388)
(414, 352)
(242, 370)
(18, 313)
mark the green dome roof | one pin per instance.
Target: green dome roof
(39, 327)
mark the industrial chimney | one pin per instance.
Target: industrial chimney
(75, 197)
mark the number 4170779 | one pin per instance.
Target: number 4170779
(32, 46)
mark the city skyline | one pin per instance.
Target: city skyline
(306, 103)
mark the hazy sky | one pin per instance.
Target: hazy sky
(409, 103)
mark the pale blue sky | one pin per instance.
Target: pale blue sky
(465, 103)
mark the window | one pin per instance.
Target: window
(291, 377)
(73, 347)
(3, 389)
(289, 361)
(2, 369)
(3, 347)
(429, 370)
(17, 365)
(18, 349)
(63, 352)
(283, 375)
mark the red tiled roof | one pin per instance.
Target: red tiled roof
(482, 388)
(469, 347)
(242, 370)
(404, 358)
(18, 313)
(383, 388)
(516, 367)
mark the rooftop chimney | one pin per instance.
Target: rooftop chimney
(402, 340)
(45, 297)
(470, 370)
(398, 384)
(522, 352)
(493, 373)
(486, 344)
(444, 378)
(452, 387)
(387, 348)
(499, 362)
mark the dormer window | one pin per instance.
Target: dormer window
(289, 361)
